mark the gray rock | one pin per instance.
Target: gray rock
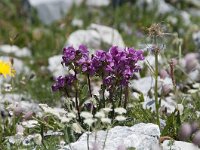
(12, 49)
(52, 10)
(144, 84)
(194, 12)
(164, 7)
(159, 5)
(167, 104)
(140, 136)
(97, 3)
(19, 100)
(196, 38)
(178, 145)
(55, 66)
(185, 17)
(95, 36)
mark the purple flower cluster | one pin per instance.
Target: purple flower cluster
(115, 67)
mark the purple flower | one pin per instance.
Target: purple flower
(59, 84)
(62, 81)
(70, 79)
(83, 49)
(69, 55)
(109, 80)
(118, 65)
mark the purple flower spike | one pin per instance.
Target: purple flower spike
(115, 66)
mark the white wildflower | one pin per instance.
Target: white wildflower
(106, 120)
(196, 85)
(71, 115)
(120, 110)
(130, 105)
(37, 139)
(100, 114)
(16, 139)
(62, 143)
(107, 109)
(198, 114)
(89, 121)
(86, 114)
(64, 119)
(180, 108)
(136, 95)
(192, 91)
(77, 128)
(120, 118)
(30, 123)
(7, 87)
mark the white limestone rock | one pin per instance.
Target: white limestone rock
(143, 85)
(95, 36)
(97, 3)
(55, 66)
(15, 50)
(178, 145)
(196, 39)
(140, 136)
(52, 10)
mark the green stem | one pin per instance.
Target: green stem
(76, 96)
(89, 85)
(88, 139)
(104, 143)
(156, 89)
(126, 97)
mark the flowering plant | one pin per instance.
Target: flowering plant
(114, 68)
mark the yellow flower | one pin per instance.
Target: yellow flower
(6, 69)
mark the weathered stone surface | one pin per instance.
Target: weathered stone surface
(55, 66)
(95, 36)
(140, 136)
(15, 50)
(196, 38)
(52, 10)
(97, 3)
(178, 145)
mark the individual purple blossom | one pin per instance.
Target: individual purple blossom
(69, 54)
(108, 81)
(84, 51)
(62, 81)
(69, 79)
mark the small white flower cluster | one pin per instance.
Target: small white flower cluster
(60, 113)
(196, 88)
(120, 111)
(102, 116)
(88, 118)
